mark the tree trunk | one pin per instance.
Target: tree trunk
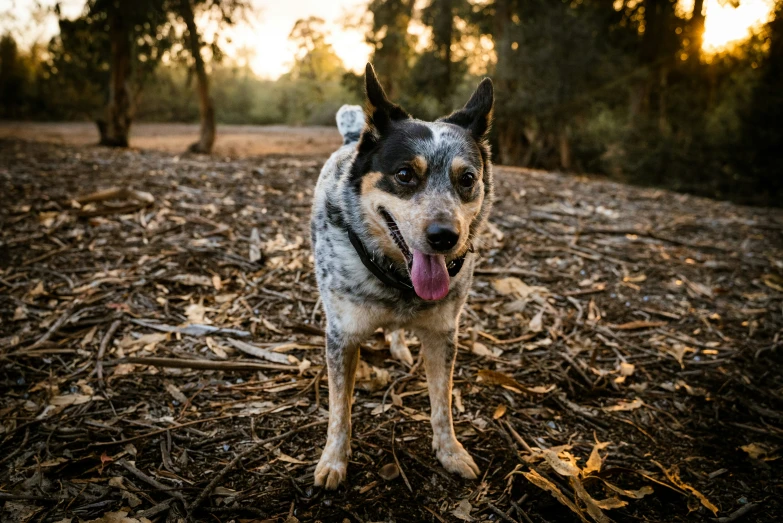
(696, 30)
(115, 125)
(206, 107)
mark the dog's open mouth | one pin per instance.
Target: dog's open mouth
(396, 235)
(429, 274)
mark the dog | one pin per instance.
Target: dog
(395, 214)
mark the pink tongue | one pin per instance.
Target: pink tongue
(429, 276)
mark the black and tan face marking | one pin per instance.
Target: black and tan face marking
(410, 175)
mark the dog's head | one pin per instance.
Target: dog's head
(424, 188)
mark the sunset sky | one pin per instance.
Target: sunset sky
(264, 37)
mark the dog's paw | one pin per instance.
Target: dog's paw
(456, 460)
(399, 349)
(331, 468)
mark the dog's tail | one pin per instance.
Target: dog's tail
(350, 122)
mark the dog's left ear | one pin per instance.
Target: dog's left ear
(379, 110)
(476, 116)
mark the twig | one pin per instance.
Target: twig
(102, 350)
(510, 271)
(17, 449)
(233, 463)
(154, 510)
(191, 330)
(502, 515)
(7, 496)
(53, 329)
(153, 482)
(177, 363)
(739, 513)
(397, 461)
(158, 431)
(521, 512)
(117, 193)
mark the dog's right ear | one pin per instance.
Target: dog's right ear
(379, 110)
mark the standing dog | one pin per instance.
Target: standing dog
(395, 214)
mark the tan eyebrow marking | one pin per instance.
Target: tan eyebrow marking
(419, 163)
(459, 164)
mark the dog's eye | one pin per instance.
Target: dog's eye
(467, 180)
(404, 176)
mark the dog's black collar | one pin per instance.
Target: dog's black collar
(389, 275)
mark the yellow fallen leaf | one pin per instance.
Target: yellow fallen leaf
(611, 503)
(592, 506)
(639, 324)
(537, 323)
(755, 450)
(594, 462)
(634, 494)
(773, 281)
(623, 406)
(673, 475)
(70, 399)
(499, 412)
(541, 482)
(196, 313)
(563, 462)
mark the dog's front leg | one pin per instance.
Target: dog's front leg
(440, 350)
(342, 357)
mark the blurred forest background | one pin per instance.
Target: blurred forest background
(615, 87)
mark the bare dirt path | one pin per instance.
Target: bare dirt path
(644, 320)
(233, 140)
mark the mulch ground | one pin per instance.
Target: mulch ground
(161, 353)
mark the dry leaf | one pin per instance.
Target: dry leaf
(118, 517)
(216, 349)
(634, 494)
(71, 399)
(624, 405)
(592, 506)
(541, 389)
(389, 472)
(193, 280)
(176, 393)
(196, 313)
(506, 286)
(594, 462)
(537, 323)
(479, 349)
(673, 475)
(639, 324)
(563, 462)
(491, 377)
(541, 482)
(499, 412)
(258, 352)
(20, 313)
(255, 246)
(462, 510)
(626, 369)
(457, 393)
(773, 281)
(755, 450)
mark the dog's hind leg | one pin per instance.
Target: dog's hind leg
(399, 348)
(439, 349)
(342, 357)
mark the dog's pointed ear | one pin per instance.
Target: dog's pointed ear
(379, 110)
(476, 116)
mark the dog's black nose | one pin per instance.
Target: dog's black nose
(442, 237)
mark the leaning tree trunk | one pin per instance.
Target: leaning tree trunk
(114, 126)
(207, 137)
